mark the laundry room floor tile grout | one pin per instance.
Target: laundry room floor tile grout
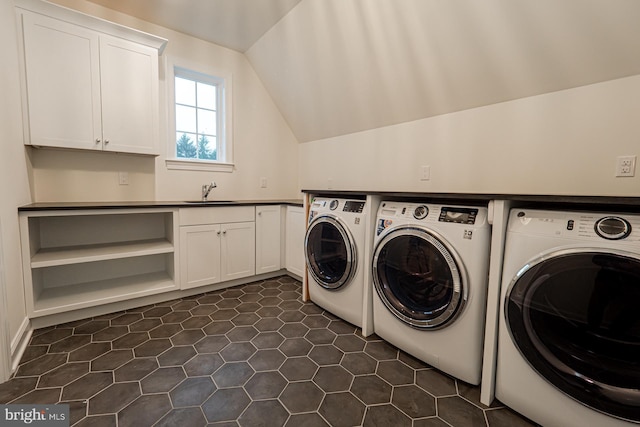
(244, 356)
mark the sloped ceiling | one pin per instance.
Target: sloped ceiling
(335, 67)
(235, 24)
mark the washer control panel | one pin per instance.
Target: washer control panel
(624, 228)
(458, 215)
(421, 212)
(353, 206)
(612, 228)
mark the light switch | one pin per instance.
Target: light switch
(425, 173)
(123, 178)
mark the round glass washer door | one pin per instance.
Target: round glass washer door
(330, 252)
(575, 317)
(419, 278)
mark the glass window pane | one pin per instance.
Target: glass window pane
(207, 122)
(206, 148)
(185, 145)
(206, 96)
(197, 112)
(185, 91)
(185, 119)
(213, 145)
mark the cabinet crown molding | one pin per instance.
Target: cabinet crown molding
(91, 22)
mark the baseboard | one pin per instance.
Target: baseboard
(19, 343)
(293, 275)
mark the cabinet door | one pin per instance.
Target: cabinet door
(238, 250)
(199, 255)
(62, 83)
(267, 239)
(294, 250)
(129, 77)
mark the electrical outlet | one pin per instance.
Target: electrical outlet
(263, 182)
(425, 173)
(626, 166)
(123, 178)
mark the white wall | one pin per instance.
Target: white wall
(336, 67)
(79, 176)
(264, 145)
(14, 187)
(561, 143)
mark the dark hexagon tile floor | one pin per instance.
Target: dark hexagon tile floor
(252, 355)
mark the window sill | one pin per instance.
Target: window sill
(195, 165)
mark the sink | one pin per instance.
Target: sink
(208, 202)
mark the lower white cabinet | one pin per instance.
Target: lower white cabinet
(199, 255)
(268, 229)
(237, 250)
(216, 245)
(78, 259)
(296, 226)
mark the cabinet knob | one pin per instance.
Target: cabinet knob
(97, 140)
(106, 141)
(218, 233)
(224, 232)
(259, 213)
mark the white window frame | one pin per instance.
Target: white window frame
(225, 129)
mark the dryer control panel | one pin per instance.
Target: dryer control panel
(458, 215)
(622, 228)
(353, 206)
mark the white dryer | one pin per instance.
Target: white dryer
(334, 243)
(569, 328)
(430, 270)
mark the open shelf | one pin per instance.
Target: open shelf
(88, 253)
(82, 295)
(80, 259)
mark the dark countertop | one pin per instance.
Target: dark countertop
(608, 203)
(151, 204)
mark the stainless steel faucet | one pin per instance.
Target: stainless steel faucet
(206, 189)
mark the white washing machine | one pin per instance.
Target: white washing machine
(569, 328)
(430, 271)
(334, 244)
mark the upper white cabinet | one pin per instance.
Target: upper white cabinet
(129, 89)
(63, 83)
(88, 84)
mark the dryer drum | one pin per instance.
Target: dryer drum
(330, 252)
(417, 278)
(574, 317)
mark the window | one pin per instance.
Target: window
(199, 139)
